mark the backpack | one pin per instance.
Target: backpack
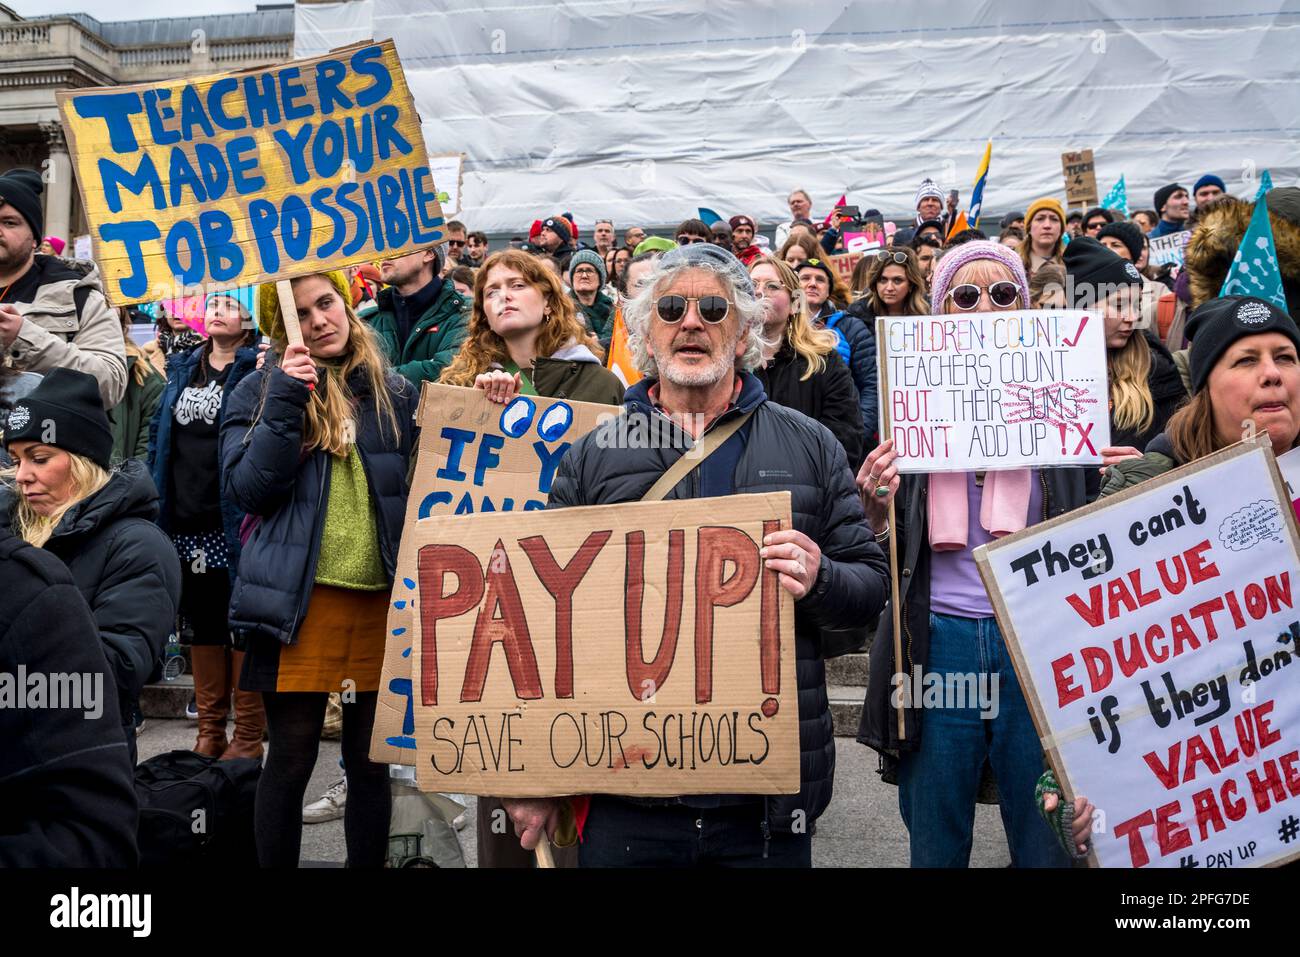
(196, 810)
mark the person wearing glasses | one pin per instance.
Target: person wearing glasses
(695, 331)
(419, 317)
(595, 309)
(634, 236)
(947, 621)
(856, 342)
(889, 283)
(456, 240)
(802, 367)
(693, 231)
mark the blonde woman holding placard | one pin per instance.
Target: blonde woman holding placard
(938, 754)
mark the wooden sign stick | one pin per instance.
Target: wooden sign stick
(543, 853)
(893, 532)
(289, 312)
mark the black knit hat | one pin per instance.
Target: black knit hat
(21, 189)
(64, 411)
(559, 225)
(1163, 194)
(1090, 265)
(1215, 325)
(1127, 233)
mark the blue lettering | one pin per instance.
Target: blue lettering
(156, 109)
(327, 149)
(370, 62)
(262, 106)
(132, 236)
(217, 93)
(423, 197)
(417, 237)
(395, 228)
(295, 151)
(550, 461)
(184, 175)
(192, 114)
(241, 165)
(386, 134)
(114, 178)
(212, 167)
(358, 214)
(190, 274)
(487, 456)
(459, 438)
(533, 505)
(329, 80)
(318, 203)
(225, 258)
(291, 90)
(465, 506)
(263, 216)
(295, 227)
(372, 204)
(115, 109)
(361, 153)
(432, 501)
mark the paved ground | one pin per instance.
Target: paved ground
(861, 828)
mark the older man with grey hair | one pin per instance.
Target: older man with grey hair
(695, 332)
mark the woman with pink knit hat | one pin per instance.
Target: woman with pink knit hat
(947, 621)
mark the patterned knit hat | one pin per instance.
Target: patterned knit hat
(959, 256)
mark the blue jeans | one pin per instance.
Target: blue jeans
(620, 833)
(938, 784)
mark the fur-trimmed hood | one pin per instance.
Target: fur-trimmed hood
(1218, 233)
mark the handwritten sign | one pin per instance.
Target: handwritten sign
(1164, 689)
(638, 648)
(843, 265)
(1169, 249)
(989, 391)
(1080, 178)
(239, 178)
(475, 456)
(1289, 466)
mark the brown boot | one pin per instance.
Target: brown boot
(211, 667)
(250, 717)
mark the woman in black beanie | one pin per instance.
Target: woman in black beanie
(1145, 387)
(62, 497)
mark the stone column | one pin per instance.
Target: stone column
(58, 185)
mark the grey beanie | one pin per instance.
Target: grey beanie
(591, 259)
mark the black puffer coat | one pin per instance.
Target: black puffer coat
(66, 795)
(828, 396)
(265, 473)
(783, 451)
(1167, 392)
(128, 572)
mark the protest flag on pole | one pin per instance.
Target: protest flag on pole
(843, 201)
(620, 356)
(1117, 197)
(977, 193)
(1254, 270)
(708, 216)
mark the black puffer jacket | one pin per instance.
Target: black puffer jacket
(66, 794)
(1063, 489)
(860, 337)
(265, 473)
(128, 572)
(1167, 391)
(783, 451)
(828, 396)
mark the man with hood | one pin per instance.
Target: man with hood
(51, 315)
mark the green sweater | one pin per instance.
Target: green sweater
(130, 418)
(349, 543)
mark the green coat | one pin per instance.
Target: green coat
(435, 337)
(1158, 460)
(130, 418)
(580, 381)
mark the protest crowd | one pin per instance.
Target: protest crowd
(242, 489)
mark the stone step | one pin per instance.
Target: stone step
(846, 708)
(167, 699)
(847, 670)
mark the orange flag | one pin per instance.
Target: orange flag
(958, 224)
(619, 361)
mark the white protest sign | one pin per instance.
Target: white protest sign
(446, 170)
(1155, 636)
(1289, 465)
(1168, 249)
(992, 391)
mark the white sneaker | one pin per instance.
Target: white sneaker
(330, 806)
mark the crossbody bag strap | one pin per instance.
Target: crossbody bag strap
(693, 457)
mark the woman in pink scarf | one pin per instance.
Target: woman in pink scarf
(950, 638)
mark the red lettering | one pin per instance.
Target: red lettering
(1279, 591)
(1289, 772)
(1207, 812)
(433, 564)
(1066, 689)
(1167, 773)
(1144, 598)
(1098, 665)
(1267, 789)
(1234, 807)
(643, 677)
(510, 629)
(561, 582)
(1197, 567)
(769, 638)
(1197, 751)
(1132, 829)
(1266, 735)
(1170, 835)
(1090, 612)
(716, 546)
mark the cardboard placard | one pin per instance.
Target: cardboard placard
(247, 177)
(1080, 178)
(1155, 636)
(1289, 466)
(474, 456)
(448, 172)
(1169, 249)
(843, 265)
(638, 648)
(994, 391)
